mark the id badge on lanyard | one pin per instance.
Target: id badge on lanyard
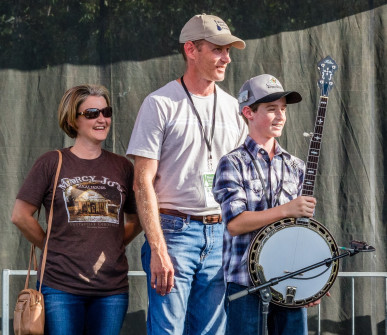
(207, 181)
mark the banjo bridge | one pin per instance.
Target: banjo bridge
(287, 271)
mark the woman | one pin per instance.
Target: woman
(85, 283)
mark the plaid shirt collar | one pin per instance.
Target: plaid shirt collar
(254, 149)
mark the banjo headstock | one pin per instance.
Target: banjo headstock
(327, 68)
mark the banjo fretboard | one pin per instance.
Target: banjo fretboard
(314, 149)
(327, 68)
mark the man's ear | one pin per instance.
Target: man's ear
(190, 48)
(247, 112)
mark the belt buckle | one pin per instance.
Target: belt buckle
(213, 221)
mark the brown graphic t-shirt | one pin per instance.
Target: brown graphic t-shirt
(86, 251)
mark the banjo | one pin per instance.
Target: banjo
(292, 244)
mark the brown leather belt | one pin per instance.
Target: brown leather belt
(206, 219)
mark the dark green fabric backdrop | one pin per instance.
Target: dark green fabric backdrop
(131, 47)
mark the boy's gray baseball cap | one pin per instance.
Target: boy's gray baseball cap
(264, 88)
(210, 28)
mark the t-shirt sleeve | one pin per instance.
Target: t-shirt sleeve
(228, 189)
(148, 132)
(37, 185)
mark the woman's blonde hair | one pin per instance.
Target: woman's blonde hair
(72, 99)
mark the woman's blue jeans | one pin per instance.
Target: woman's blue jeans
(67, 313)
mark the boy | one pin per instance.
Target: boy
(257, 184)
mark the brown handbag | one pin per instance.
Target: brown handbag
(28, 317)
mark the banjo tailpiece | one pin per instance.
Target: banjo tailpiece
(290, 294)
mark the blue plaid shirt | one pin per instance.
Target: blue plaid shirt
(238, 188)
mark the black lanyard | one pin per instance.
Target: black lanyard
(207, 140)
(267, 190)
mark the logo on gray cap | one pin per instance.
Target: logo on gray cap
(264, 88)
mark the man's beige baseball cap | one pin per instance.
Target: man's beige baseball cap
(210, 28)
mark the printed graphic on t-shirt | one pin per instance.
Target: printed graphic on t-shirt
(91, 200)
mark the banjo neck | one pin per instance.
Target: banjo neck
(327, 68)
(314, 149)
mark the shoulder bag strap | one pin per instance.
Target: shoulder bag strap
(32, 257)
(43, 265)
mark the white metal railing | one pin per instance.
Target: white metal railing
(354, 275)
(5, 288)
(7, 273)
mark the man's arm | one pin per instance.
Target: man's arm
(23, 218)
(162, 272)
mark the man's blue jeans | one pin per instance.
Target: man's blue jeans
(244, 316)
(67, 313)
(196, 303)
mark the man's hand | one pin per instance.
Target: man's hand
(162, 272)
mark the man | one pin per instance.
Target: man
(180, 133)
(258, 184)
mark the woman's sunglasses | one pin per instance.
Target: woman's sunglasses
(93, 113)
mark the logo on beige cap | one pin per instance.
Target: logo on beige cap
(221, 25)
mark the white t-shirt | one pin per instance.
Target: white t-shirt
(167, 129)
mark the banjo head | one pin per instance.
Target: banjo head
(289, 245)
